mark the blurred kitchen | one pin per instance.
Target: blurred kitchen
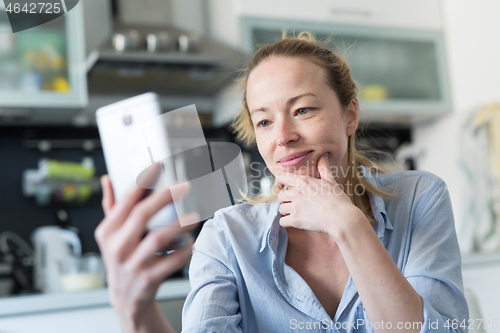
(429, 83)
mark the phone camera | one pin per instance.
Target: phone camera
(127, 119)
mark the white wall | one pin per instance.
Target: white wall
(472, 30)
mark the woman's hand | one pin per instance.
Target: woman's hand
(315, 204)
(134, 272)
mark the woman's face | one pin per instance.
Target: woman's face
(294, 112)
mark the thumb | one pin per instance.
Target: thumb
(324, 169)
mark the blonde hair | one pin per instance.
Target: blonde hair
(340, 80)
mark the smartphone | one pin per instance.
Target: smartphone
(133, 138)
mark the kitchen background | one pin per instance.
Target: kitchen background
(428, 76)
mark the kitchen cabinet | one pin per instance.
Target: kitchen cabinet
(401, 74)
(82, 312)
(395, 48)
(480, 273)
(399, 14)
(43, 66)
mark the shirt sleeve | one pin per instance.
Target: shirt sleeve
(212, 305)
(433, 265)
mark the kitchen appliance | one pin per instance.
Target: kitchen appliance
(159, 41)
(165, 59)
(52, 246)
(126, 41)
(16, 264)
(6, 280)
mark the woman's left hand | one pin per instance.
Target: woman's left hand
(315, 204)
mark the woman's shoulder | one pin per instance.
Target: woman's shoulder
(417, 180)
(419, 194)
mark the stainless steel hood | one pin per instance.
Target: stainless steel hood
(203, 71)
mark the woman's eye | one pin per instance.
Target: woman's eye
(263, 123)
(303, 111)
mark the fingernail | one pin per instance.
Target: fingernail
(189, 219)
(325, 156)
(184, 187)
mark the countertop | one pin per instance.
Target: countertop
(170, 289)
(23, 305)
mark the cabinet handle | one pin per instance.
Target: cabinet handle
(345, 11)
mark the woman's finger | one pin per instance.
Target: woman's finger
(286, 221)
(136, 224)
(285, 209)
(164, 267)
(290, 180)
(117, 216)
(108, 198)
(285, 196)
(160, 240)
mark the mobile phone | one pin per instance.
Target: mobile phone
(133, 138)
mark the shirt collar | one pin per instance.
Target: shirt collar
(273, 217)
(377, 203)
(377, 206)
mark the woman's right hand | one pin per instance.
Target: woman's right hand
(134, 272)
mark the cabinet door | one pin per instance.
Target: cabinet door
(399, 73)
(402, 14)
(43, 66)
(95, 320)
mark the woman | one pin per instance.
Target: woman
(336, 247)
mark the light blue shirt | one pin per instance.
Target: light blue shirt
(240, 282)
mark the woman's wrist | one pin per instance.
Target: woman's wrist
(148, 318)
(342, 232)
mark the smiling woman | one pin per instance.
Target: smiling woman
(339, 245)
(326, 74)
(339, 242)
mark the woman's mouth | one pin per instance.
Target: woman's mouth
(295, 161)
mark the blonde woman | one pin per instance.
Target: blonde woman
(339, 246)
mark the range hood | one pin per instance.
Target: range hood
(203, 71)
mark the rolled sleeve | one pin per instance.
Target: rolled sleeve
(433, 265)
(212, 305)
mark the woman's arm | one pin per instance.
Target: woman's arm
(429, 290)
(150, 319)
(432, 270)
(134, 273)
(213, 303)
(386, 294)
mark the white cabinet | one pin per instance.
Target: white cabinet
(395, 48)
(97, 320)
(44, 66)
(83, 312)
(402, 14)
(224, 16)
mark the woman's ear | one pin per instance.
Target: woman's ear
(352, 117)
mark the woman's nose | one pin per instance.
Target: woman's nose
(286, 134)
